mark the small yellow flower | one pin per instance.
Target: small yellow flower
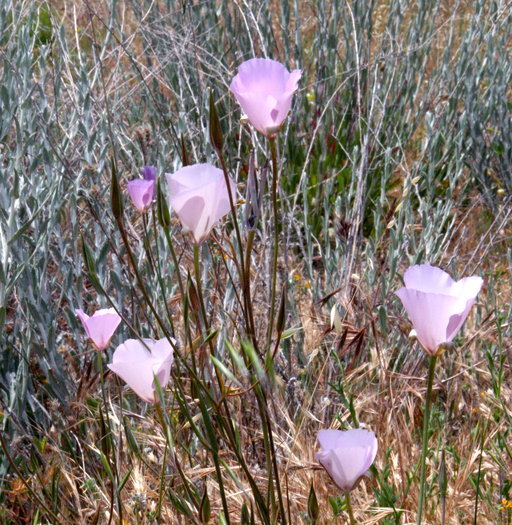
(505, 504)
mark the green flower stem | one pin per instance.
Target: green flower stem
(424, 448)
(146, 243)
(182, 292)
(349, 509)
(243, 270)
(162, 484)
(197, 270)
(158, 267)
(247, 287)
(112, 464)
(273, 152)
(140, 282)
(479, 476)
(169, 446)
(214, 452)
(269, 448)
(175, 262)
(233, 211)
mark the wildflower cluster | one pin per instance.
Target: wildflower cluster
(202, 195)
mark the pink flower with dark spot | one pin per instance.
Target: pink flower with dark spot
(437, 305)
(264, 88)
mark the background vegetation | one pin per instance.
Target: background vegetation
(397, 151)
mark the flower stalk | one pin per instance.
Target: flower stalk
(424, 442)
(273, 153)
(349, 509)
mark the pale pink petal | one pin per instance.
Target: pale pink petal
(280, 112)
(221, 205)
(429, 279)
(101, 329)
(457, 320)
(191, 177)
(331, 463)
(292, 83)
(469, 287)
(138, 375)
(261, 110)
(345, 465)
(83, 318)
(132, 350)
(261, 75)
(162, 349)
(329, 438)
(284, 102)
(162, 371)
(191, 214)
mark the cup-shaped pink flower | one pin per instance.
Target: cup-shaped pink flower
(346, 455)
(100, 326)
(199, 196)
(138, 362)
(141, 192)
(437, 305)
(264, 88)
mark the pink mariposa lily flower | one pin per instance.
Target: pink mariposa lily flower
(199, 196)
(346, 455)
(142, 191)
(137, 362)
(437, 305)
(100, 326)
(264, 88)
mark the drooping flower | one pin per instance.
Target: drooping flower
(264, 88)
(437, 305)
(199, 196)
(137, 362)
(346, 455)
(100, 326)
